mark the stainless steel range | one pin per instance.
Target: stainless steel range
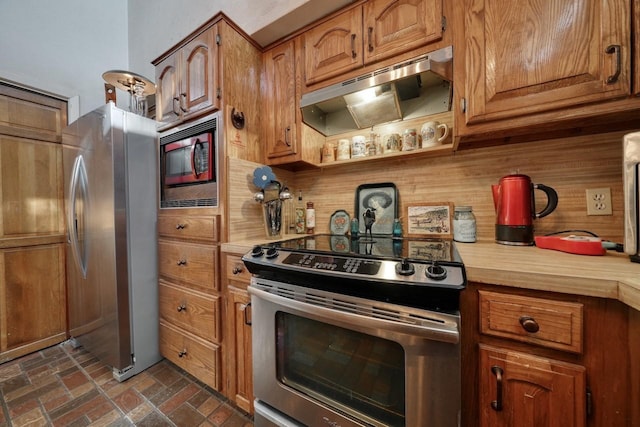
(361, 332)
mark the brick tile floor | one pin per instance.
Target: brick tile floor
(66, 387)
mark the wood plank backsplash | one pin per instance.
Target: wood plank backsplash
(569, 165)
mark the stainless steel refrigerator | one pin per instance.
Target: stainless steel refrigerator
(111, 201)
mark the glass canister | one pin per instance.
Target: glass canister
(464, 224)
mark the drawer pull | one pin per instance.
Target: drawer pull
(182, 353)
(180, 226)
(182, 262)
(496, 405)
(529, 324)
(237, 269)
(182, 307)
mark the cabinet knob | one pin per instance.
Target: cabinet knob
(237, 269)
(182, 307)
(529, 324)
(182, 262)
(180, 226)
(182, 353)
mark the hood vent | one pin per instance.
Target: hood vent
(411, 89)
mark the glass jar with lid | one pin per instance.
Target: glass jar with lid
(464, 224)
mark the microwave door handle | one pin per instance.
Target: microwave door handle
(194, 172)
(78, 181)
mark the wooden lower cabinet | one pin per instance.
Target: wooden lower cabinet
(518, 388)
(32, 299)
(189, 294)
(540, 358)
(239, 370)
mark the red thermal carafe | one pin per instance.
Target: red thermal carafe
(515, 207)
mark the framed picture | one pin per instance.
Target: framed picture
(429, 219)
(382, 201)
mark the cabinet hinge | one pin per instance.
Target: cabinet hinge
(218, 39)
(589, 402)
(444, 23)
(218, 93)
(463, 105)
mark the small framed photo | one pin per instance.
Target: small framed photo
(429, 220)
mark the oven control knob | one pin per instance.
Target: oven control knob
(405, 268)
(436, 272)
(272, 252)
(256, 252)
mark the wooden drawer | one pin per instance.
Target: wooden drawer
(544, 322)
(189, 227)
(193, 311)
(196, 356)
(236, 270)
(189, 263)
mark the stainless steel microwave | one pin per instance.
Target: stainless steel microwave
(189, 164)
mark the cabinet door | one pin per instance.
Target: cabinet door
(32, 296)
(199, 74)
(519, 389)
(392, 27)
(167, 90)
(30, 187)
(240, 310)
(280, 97)
(530, 57)
(334, 47)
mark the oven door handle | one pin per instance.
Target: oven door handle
(436, 331)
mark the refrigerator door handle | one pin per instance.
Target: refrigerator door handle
(78, 190)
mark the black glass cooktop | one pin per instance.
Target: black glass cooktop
(385, 247)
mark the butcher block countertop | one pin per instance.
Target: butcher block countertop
(609, 276)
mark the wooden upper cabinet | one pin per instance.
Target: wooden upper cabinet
(333, 47)
(199, 79)
(187, 80)
(392, 27)
(280, 96)
(531, 57)
(167, 90)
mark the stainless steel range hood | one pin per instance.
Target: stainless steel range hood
(411, 89)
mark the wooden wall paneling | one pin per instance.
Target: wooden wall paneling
(245, 214)
(569, 165)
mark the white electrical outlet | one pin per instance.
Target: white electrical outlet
(599, 201)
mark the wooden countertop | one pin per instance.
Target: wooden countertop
(609, 276)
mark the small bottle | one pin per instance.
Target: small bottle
(397, 228)
(355, 228)
(311, 218)
(464, 224)
(300, 215)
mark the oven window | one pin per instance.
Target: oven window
(347, 370)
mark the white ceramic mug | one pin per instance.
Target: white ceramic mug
(430, 133)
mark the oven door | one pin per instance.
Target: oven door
(328, 359)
